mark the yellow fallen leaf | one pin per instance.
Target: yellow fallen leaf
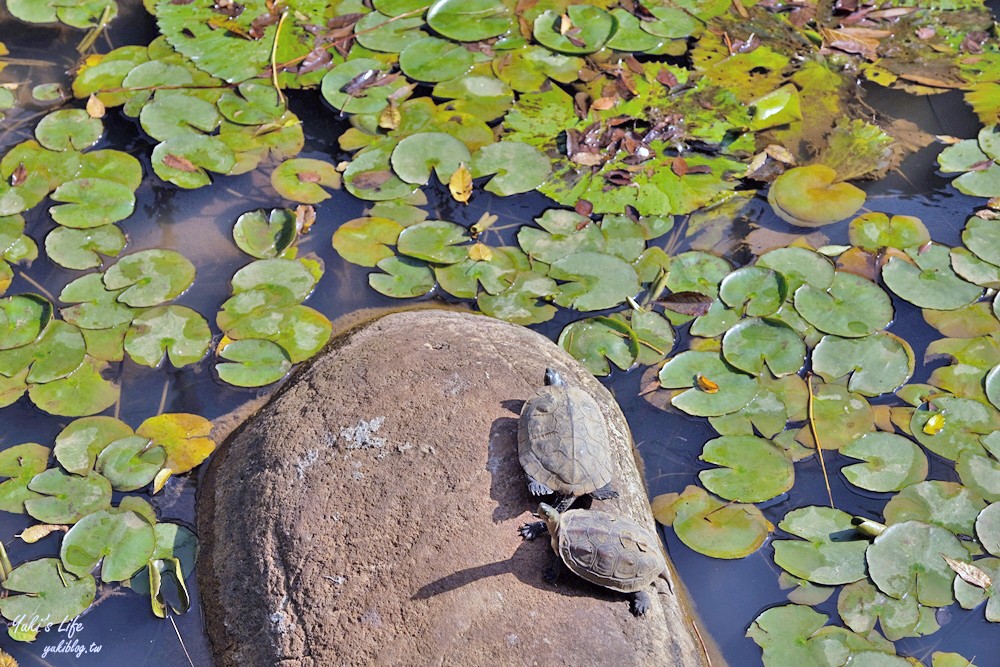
(95, 107)
(161, 478)
(479, 252)
(565, 24)
(460, 184)
(223, 344)
(707, 385)
(183, 436)
(34, 533)
(7, 660)
(390, 117)
(934, 424)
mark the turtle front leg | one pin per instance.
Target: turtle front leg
(533, 530)
(536, 488)
(640, 603)
(605, 492)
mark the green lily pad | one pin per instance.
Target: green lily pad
(369, 176)
(851, 307)
(68, 129)
(96, 307)
(942, 659)
(106, 344)
(366, 241)
(597, 340)
(265, 237)
(522, 302)
(55, 354)
(111, 165)
(67, 498)
(972, 269)
(979, 472)
(49, 591)
(565, 232)
(20, 463)
(861, 605)
(595, 281)
(485, 97)
(82, 392)
(906, 559)
(176, 112)
(23, 317)
(432, 59)
(130, 463)
(185, 159)
(78, 445)
(177, 331)
(988, 528)
(840, 415)
(656, 336)
(470, 20)
(303, 180)
(150, 277)
(778, 107)
(970, 596)
(946, 504)
(980, 183)
(414, 157)
(121, 541)
(82, 248)
(697, 271)
(12, 388)
(434, 241)
(519, 167)
(825, 555)
(972, 321)
(527, 68)
(892, 462)
(91, 202)
(875, 231)
(931, 283)
(799, 266)
(877, 364)
(629, 35)
(493, 268)
(590, 27)
(811, 196)
(254, 363)
(753, 469)
(402, 277)
(711, 526)
(753, 343)
(961, 156)
(981, 237)
(252, 103)
(734, 390)
(964, 421)
(783, 633)
(292, 275)
(778, 401)
(377, 32)
(360, 86)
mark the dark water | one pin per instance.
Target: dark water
(727, 594)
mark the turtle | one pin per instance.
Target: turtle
(562, 443)
(609, 550)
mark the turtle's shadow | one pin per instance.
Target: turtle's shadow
(508, 487)
(528, 563)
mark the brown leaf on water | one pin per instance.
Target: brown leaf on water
(179, 163)
(969, 573)
(667, 78)
(19, 175)
(305, 218)
(316, 59)
(861, 41)
(583, 207)
(309, 177)
(694, 304)
(679, 166)
(460, 184)
(390, 117)
(95, 107)
(369, 180)
(34, 533)
(860, 263)
(603, 103)
(926, 32)
(651, 390)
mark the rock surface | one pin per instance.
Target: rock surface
(368, 515)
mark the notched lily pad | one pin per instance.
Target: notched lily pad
(753, 343)
(906, 559)
(150, 277)
(812, 196)
(596, 341)
(929, 282)
(414, 157)
(303, 180)
(121, 541)
(48, 591)
(830, 553)
(83, 248)
(875, 231)
(265, 237)
(253, 363)
(179, 332)
(67, 498)
(850, 307)
(892, 462)
(754, 469)
(711, 526)
(877, 364)
(519, 167)
(715, 388)
(68, 129)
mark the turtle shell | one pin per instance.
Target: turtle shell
(562, 441)
(608, 550)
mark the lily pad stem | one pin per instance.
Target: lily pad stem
(5, 566)
(31, 281)
(274, 58)
(656, 291)
(815, 434)
(95, 32)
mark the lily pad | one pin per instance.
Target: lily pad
(962, 422)
(470, 20)
(753, 469)
(827, 554)
(434, 241)
(711, 526)
(725, 391)
(402, 277)
(753, 343)
(49, 592)
(184, 437)
(177, 331)
(255, 363)
(369, 176)
(150, 277)
(840, 417)
(906, 559)
(522, 302)
(82, 392)
(590, 27)
(783, 633)
(360, 86)
(130, 463)
(972, 321)
(892, 462)
(121, 541)
(184, 160)
(877, 364)
(519, 167)
(799, 266)
(597, 340)
(595, 281)
(366, 241)
(303, 180)
(656, 336)
(565, 232)
(988, 528)
(68, 129)
(376, 31)
(981, 237)
(20, 463)
(415, 156)
(91, 202)
(931, 282)
(82, 248)
(252, 103)
(55, 354)
(67, 498)
(23, 317)
(78, 445)
(861, 605)
(96, 307)
(851, 307)
(697, 271)
(946, 504)
(811, 196)
(265, 237)
(432, 59)
(875, 231)
(970, 596)
(292, 275)
(176, 112)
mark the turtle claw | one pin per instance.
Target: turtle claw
(533, 530)
(604, 493)
(538, 489)
(640, 603)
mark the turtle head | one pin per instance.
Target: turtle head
(553, 379)
(550, 516)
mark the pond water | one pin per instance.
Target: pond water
(120, 630)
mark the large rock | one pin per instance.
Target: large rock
(368, 515)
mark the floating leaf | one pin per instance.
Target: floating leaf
(82, 248)
(184, 436)
(130, 463)
(377, 32)
(49, 591)
(22, 319)
(292, 275)
(150, 277)
(414, 157)
(840, 417)
(92, 202)
(898, 562)
(754, 291)
(877, 364)
(252, 103)
(597, 340)
(460, 184)
(519, 167)
(176, 112)
(565, 233)
(946, 504)
(184, 159)
(799, 266)
(964, 421)
(434, 241)
(121, 541)
(366, 241)
(752, 343)
(589, 28)
(432, 59)
(20, 463)
(711, 526)
(67, 498)
(96, 307)
(265, 237)
(861, 604)
(595, 281)
(255, 363)
(82, 392)
(735, 390)
(303, 180)
(656, 336)
(931, 283)
(469, 21)
(369, 176)
(893, 462)
(783, 633)
(825, 556)
(521, 302)
(875, 231)
(78, 445)
(988, 529)
(180, 332)
(403, 277)
(811, 196)
(68, 129)
(360, 86)
(971, 594)
(754, 469)
(851, 307)
(55, 354)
